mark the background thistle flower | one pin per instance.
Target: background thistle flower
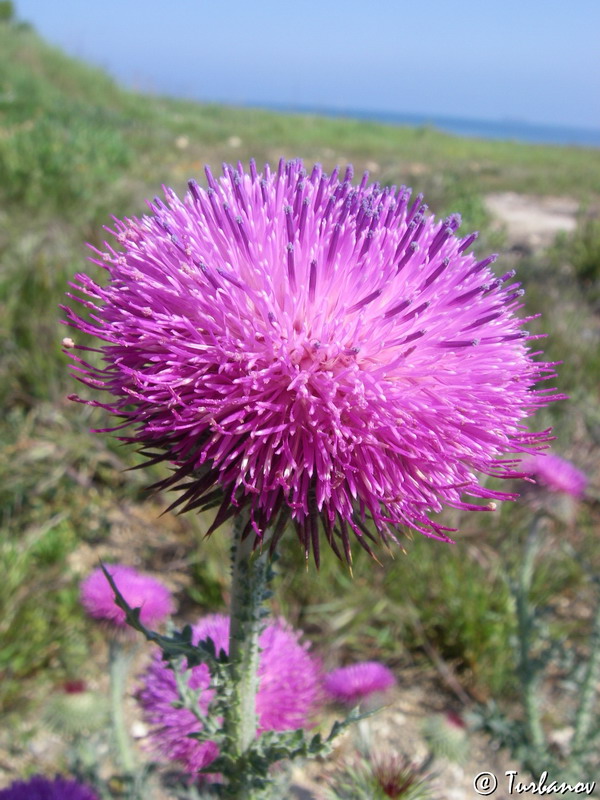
(140, 591)
(446, 734)
(288, 693)
(357, 682)
(75, 710)
(378, 777)
(304, 347)
(40, 788)
(557, 474)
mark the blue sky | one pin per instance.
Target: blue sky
(534, 60)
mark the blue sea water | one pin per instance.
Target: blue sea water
(510, 130)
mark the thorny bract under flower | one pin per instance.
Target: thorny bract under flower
(289, 691)
(300, 346)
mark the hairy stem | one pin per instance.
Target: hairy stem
(250, 574)
(527, 670)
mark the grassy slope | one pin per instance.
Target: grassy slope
(74, 148)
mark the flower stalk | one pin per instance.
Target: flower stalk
(526, 628)
(119, 660)
(584, 717)
(250, 575)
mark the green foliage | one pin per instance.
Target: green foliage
(62, 160)
(460, 612)
(586, 252)
(462, 608)
(59, 151)
(7, 11)
(538, 653)
(33, 641)
(581, 251)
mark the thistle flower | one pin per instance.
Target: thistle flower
(302, 347)
(289, 687)
(75, 710)
(557, 474)
(446, 734)
(377, 777)
(140, 591)
(40, 788)
(358, 681)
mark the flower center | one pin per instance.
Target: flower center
(315, 356)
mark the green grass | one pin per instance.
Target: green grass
(74, 149)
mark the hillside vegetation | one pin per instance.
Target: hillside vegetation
(76, 149)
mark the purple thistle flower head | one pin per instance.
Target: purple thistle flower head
(40, 788)
(557, 474)
(140, 591)
(358, 681)
(300, 346)
(288, 693)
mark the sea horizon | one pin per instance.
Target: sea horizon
(502, 129)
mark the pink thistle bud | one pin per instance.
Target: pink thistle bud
(557, 474)
(139, 591)
(358, 681)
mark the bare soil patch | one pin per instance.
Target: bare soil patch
(532, 222)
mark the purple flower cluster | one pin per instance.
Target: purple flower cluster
(289, 690)
(40, 788)
(358, 681)
(302, 346)
(140, 591)
(557, 474)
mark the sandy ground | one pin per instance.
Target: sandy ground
(532, 222)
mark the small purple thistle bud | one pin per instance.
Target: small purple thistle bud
(557, 474)
(357, 682)
(139, 591)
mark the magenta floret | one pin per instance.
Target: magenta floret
(288, 693)
(301, 346)
(139, 591)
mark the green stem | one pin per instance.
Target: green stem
(250, 574)
(528, 672)
(119, 660)
(584, 716)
